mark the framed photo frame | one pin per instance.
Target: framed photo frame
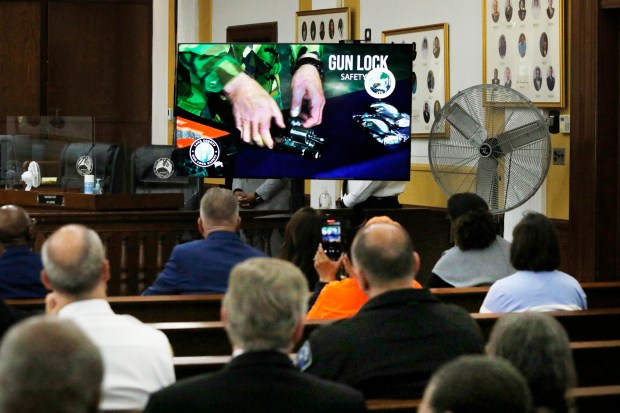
(430, 72)
(323, 26)
(523, 48)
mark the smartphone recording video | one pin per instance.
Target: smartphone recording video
(331, 237)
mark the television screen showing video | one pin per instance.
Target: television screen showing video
(350, 119)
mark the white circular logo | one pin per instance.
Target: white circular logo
(204, 152)
(84, 165)
(380, 83)
(163, 168)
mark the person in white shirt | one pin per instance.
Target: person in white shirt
(137, 358)
(361, 195)
(373, 194)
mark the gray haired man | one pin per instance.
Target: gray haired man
(48, 364)
(263, 312)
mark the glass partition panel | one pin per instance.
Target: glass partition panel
(43, 139)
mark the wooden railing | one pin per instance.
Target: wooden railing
(138, 243)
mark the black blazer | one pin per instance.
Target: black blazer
(261, 381)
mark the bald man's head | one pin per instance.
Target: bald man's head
(73, 259)
(384, 251)
(15, 225)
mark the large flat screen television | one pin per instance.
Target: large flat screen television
(365, 128)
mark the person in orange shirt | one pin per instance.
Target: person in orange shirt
(342, 298)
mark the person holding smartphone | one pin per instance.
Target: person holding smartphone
(302, 235)
(339, 298)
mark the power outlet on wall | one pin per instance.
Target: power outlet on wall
(559, 156)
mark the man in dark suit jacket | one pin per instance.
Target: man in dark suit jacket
(203, 266)
(263, 313)
(20, 267)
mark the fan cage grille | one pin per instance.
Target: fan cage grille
(491, 140)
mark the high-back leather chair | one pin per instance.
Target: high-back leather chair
(152, 171)
(103, 160)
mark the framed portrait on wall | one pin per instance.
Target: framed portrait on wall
(523, 48)
(430, 72)
(323, 26)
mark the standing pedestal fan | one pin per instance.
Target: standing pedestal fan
(490, 140)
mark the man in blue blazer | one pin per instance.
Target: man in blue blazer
(20, 267)
(263, 312)
(203, 266)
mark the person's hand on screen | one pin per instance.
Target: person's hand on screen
(307, 85)
(253, 109)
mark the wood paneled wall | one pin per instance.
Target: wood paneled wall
(594, 226)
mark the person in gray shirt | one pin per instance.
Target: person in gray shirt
(480, 256)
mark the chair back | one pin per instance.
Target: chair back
(103, 160)
(152, 171)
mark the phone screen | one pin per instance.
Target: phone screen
(331, 237)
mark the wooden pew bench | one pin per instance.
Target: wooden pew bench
(209, 338)
(189, 366)
(393, 405)
(196, 338)
(151, 309)
(583, 325)
(595, 399)
(600, 295)
(172, 308)
(597, 363)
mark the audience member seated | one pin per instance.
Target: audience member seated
(203, 266)
(339, 298)
(137, 358)
(263, 312)
(537, 285)
(477, 384)
(538, 346)
(49, 365)
(302, 236)
(20, 268)
(480, 256)
(390, 348)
